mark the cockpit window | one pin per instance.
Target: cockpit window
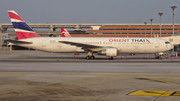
(167, 42)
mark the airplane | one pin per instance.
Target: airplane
(65, 33)
(108, 46)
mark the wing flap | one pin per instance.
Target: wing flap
(86, 47)
(80, 44)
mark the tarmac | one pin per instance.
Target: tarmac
(40, 76)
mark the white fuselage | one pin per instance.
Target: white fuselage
(123, 45)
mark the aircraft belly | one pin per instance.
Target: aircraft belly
(25, 45)
(67, 48)
(125, 48)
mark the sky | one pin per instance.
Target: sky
(90, 11)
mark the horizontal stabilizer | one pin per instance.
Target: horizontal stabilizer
(19, 42)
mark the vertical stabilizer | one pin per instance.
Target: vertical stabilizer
(65, 33)
(23, 31)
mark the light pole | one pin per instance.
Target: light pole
(145, 28)
(151, 26)
(160, 13)
(173, 7)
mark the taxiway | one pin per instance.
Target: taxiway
(35, 75)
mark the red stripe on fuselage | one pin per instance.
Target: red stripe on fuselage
(14, 16)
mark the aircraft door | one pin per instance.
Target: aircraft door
(156, 46)
(44, 43)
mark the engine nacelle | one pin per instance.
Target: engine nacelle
(109, 52)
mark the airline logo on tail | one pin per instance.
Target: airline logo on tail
(65, 33)
(23, 31)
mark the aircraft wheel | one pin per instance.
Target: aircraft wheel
(92, 57)
(87, 57)
(111, 58)
(157, 57)
(160, 58)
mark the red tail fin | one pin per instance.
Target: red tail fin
(65, 33)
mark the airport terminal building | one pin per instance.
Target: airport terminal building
(101, 30)
(134, 30)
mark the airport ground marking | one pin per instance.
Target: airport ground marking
(162, 80)
(137, 77)
(155, 93)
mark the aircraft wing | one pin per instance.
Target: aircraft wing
(18, 42)
(86, 47)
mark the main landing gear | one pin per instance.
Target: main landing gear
(158, 57)
(90, 56)
(111, 58)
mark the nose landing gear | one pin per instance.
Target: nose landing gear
(159, 56)
(111, 58)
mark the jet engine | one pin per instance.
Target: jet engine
(109, 52)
